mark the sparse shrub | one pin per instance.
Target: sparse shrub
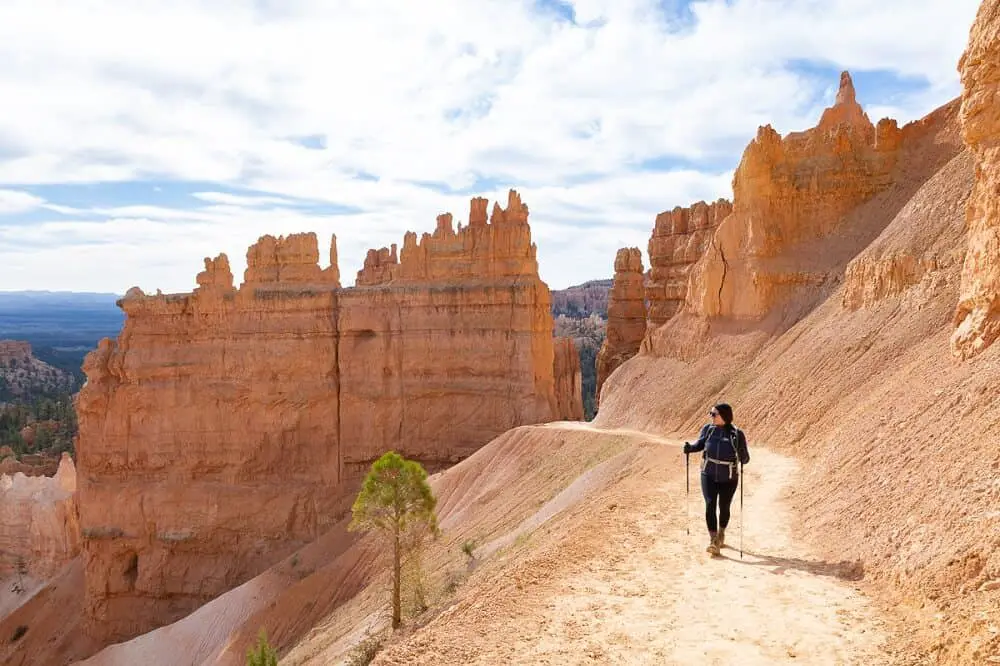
(20, 631)
(263, 654)
(295, 560)
(452, 581)
(364, 652)
(469, 548)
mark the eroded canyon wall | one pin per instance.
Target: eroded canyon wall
(680, 238)
(226, 427)
(977, 317)
(39, 525)
(626, 314)
(568, 377)
(790, 192)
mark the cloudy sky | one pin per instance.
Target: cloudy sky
(139, 136)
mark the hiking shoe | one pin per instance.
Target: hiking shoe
(720, 539)
(713, 550)
(713, 546)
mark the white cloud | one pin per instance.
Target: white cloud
(452, 92)
(226, 199)
(13, 201)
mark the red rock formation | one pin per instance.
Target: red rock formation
(223, 428)
(501, 248)
(582, 300)
(30, 464)
(789, 191)
(381, 266)
(25, 376)
(568, 380)
(680, 238)
(288, 261)
(626, 314)
(977, 317)
(14, 350)
(38, 521)
(217, 278)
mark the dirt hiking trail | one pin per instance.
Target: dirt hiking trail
(625, 584)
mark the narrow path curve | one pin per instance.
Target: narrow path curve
(659, 598)
(619, 580)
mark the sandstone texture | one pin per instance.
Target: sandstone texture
(568, 380)
(626, 315)
(38, 521)
(680, 238)
(227, 427)
(788, 192)
(977, 317)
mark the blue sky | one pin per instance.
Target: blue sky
(139, 138)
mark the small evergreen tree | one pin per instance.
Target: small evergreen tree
(396, 501)
(263, 654)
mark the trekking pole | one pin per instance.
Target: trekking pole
(687, 494)
(743, 482)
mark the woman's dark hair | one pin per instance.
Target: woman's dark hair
(726, 412)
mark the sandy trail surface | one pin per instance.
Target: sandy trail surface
(648, 593)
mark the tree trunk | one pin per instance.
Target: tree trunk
(396, 573)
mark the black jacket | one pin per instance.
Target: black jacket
(725, 443)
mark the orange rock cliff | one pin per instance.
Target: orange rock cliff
(680, 238)
(789, 192)
(977, 317)
(626, 314)
(213, 405)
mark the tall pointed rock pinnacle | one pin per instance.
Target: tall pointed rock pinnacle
(845, 110)
(846, 93)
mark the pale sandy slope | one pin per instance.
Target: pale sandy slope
(622, 583)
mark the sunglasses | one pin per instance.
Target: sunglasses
(713, 413)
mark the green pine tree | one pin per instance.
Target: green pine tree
(396, 501)
(263, 654)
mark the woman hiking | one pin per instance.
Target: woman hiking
(725, 447)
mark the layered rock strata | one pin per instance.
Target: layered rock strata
(224, 428)
(626, 314)
(680, 238)
(977, 317)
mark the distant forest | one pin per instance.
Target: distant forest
(62, 328)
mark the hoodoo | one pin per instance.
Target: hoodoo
(224, 428)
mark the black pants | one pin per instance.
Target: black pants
(718, 494)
